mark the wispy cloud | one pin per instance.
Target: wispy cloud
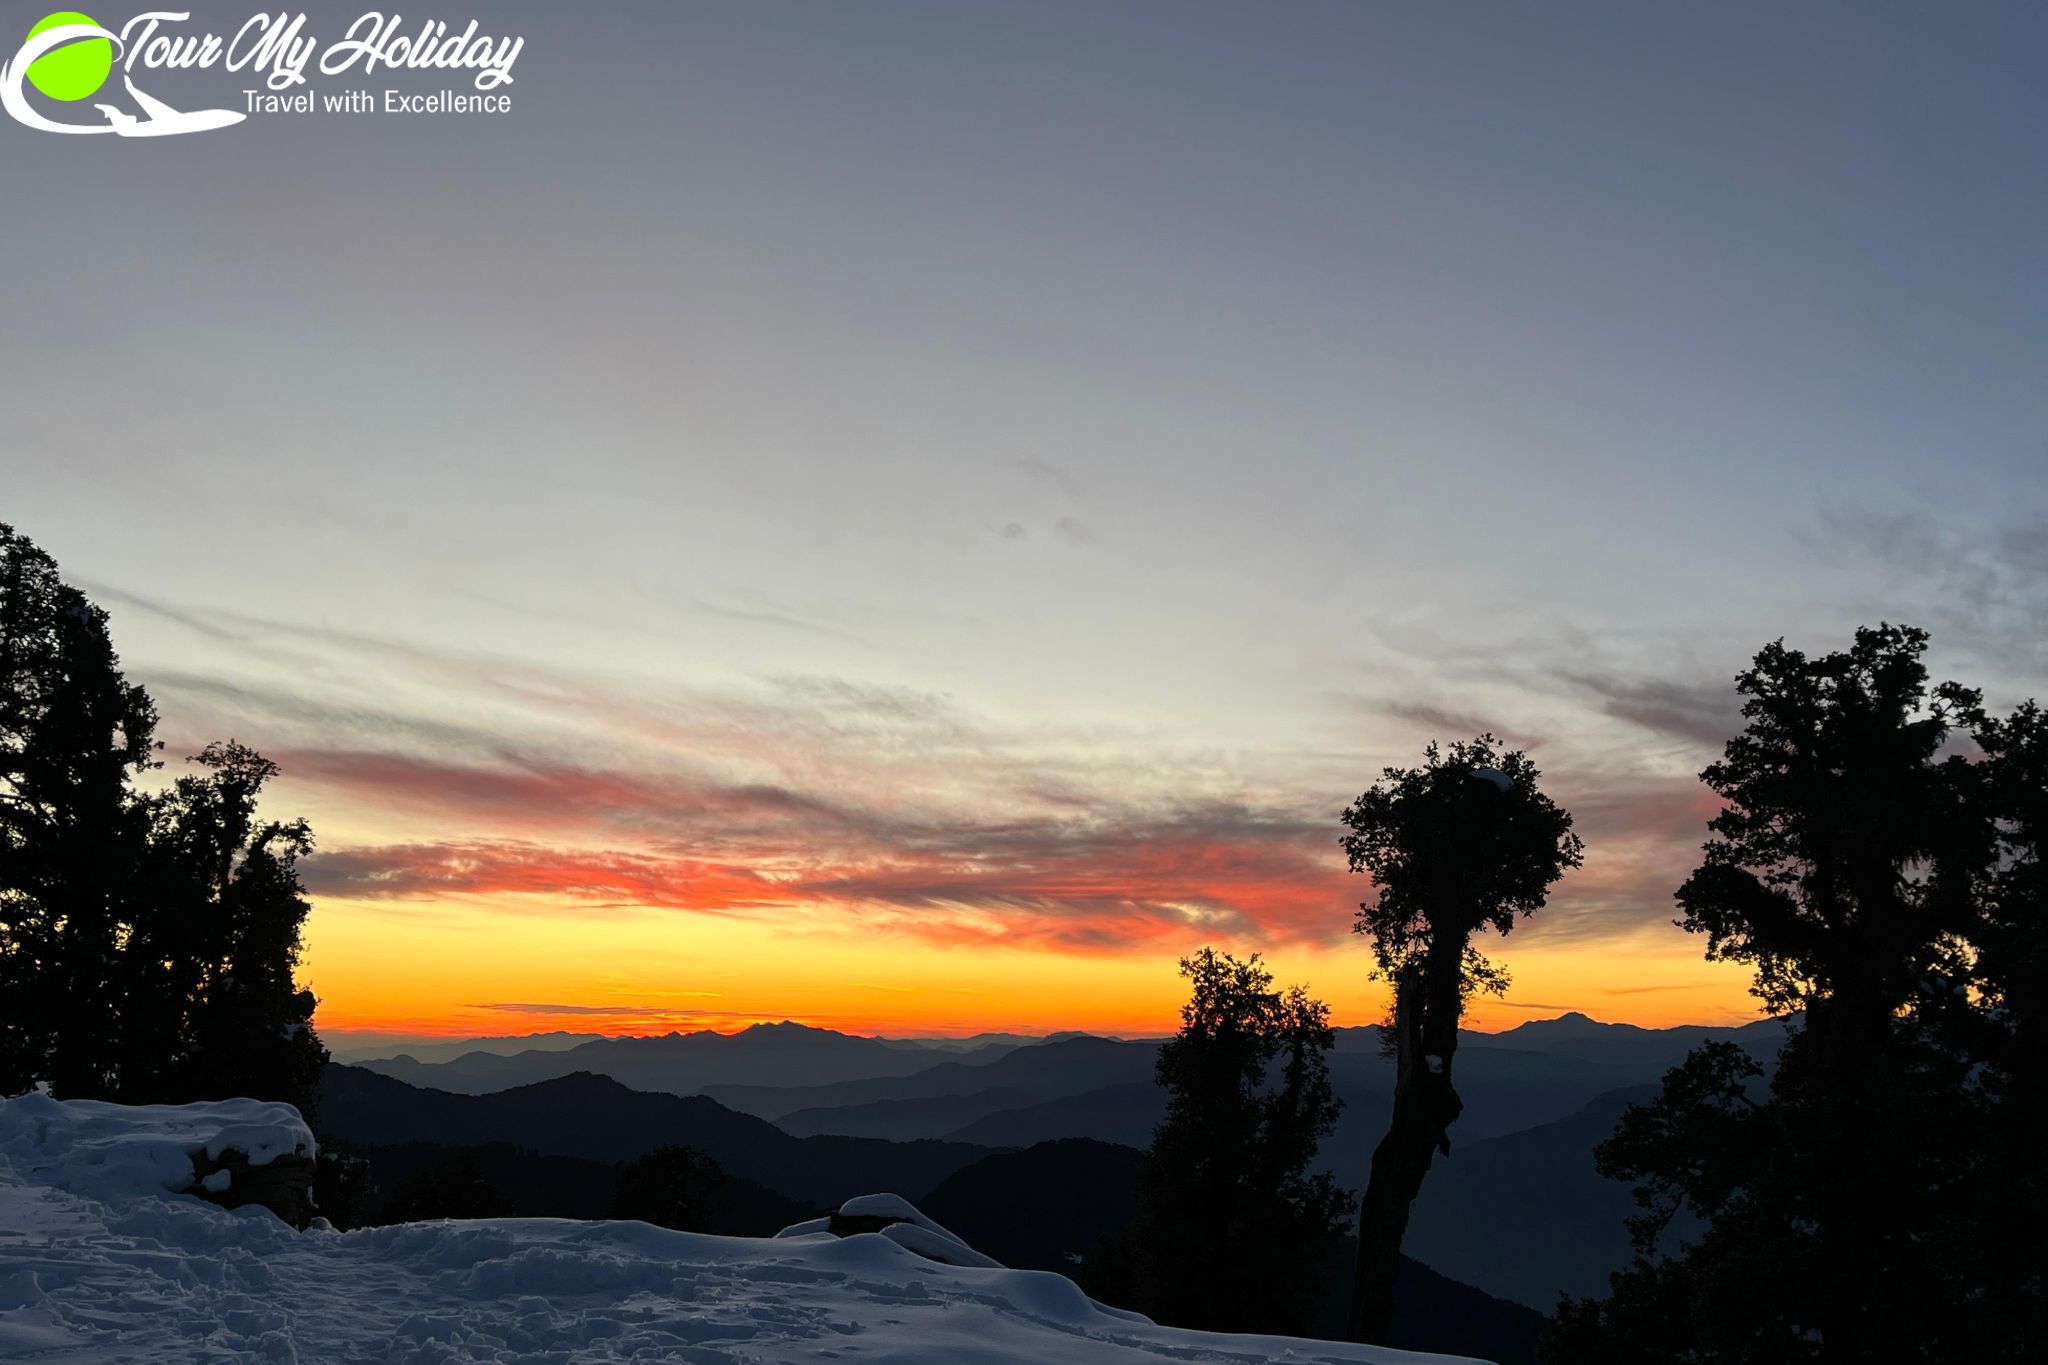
(507, 871)
(871, 807)
(1981, 591)
(1703, 713)
(1654, 990)
(1443, 722)
(1099, 888)
(1057, 475)
(521, 1007)
(638, 1019)
(1074, 531)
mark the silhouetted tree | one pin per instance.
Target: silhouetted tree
(670, 1187)
(73, 735)
(454, 1186)
(213, 1009)
(344, 1187)
(1463, 843)
(1232, 1231)
(2008, 1030)
(1849, 1206)
(147, 941)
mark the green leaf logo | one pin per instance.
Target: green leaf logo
(74, 70)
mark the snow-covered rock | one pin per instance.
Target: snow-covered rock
(933, 1247)
(896, 1218)
(881, 1212)
(128, 1151)
(100, 1261)
(810, 1227)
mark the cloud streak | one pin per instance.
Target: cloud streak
(1100, 889)
(1092, 879)
(1984, 590)
(1704, 714)
(849, 806)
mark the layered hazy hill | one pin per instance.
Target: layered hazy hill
(1516, 1209)
(1579, 1036)
(775, 1070)
(596, 1118)
(503, 1046)
(686, 1063)
(107, 1254)
(552, 1149)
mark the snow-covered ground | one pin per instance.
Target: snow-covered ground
(100, 1261)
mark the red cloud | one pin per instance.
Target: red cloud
(510, 868)
(1086, 876)
(1099, 894)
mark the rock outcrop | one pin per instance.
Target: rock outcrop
(283, 1184)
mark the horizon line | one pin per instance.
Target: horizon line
(445, 1039)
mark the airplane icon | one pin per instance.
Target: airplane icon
(162, 120)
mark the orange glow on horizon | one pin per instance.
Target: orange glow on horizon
(468, 896)
(456, 970)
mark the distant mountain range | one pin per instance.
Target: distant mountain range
(1516, 1209)
(777, 1069)
(356, 1048)
(978, 1041)
(1103, 1089)
(1525, 1216)
(449, 1051)
(553, 1149)
(684, 1063)
(1575, 1035)
(1040, 1072)
(1125, 1113)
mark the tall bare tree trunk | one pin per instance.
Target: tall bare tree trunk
(1427, 1003)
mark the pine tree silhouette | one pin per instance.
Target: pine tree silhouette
(147, 941)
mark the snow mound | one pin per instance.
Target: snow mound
(930, 1244)
(100, 1262)
(900, 1213)
(896, 1218)
(114, 1152)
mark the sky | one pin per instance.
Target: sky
(912, 517)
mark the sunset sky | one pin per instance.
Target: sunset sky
(910, 517)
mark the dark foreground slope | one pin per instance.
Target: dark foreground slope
(416, 1180)
(1050, 1206)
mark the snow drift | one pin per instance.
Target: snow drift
(101, 1261)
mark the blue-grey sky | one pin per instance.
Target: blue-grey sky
(1042, 433)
